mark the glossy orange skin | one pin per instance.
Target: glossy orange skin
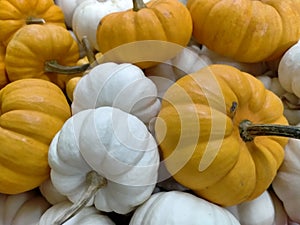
(32, 111)
(198, 133)
(245, 30)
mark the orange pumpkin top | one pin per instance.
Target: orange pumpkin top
(164, 20)
(245, 30)
(198, 133)
(15, 14)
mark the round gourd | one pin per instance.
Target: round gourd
(256, 31)
(87, 216)
(15, 14)
(123, 86)
(31, 112)
(161, 20)
(50, 193)
(106, 155)
(289, 70)
(35, 51)
(287, 180)
(175, 207)
(202, 130)
(24, 208)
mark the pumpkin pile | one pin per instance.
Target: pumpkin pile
(149, 112)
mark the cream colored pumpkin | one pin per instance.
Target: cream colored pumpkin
(112, 144)
(178, 208)
(123, 86)
(24, 208)
(87, 216)
(287, 181)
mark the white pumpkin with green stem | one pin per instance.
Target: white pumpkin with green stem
(104, 157)
(87, 216)
(19, 209)
(123, 86)
(289, 70)
(287, 181)
(178, 208)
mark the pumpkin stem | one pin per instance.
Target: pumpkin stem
(52, 66)
(248, 130)
(89, 52)
(95, 182)
(138, 4)
(32, 20)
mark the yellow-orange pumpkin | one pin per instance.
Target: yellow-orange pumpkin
(33, 47)
(245, 30)
(31, 112)
(198, 131)
(15, 14)
(3, 75)
(161, 20)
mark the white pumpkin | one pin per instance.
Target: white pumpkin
(265, 210)
(88, 15)
(186, 61)
(50, 193)
(112, 145)
(87, 216)
(255, 69)
(289, 70)
(123, 86)
(178, 208)
(287, 181)
(19, 209)
(68, 7)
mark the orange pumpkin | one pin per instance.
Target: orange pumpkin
(32, 111)
(35, 48)
(3, 75)
(15, 14)
(199, 133)
(162, 20)
(245, 30)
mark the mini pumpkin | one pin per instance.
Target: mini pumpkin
(176, 207)
(203, 134)
(256, 31)
(160, 20)
(15, 14)
(35, 51)
(24, 208)
(123, 86)
(109, 158)
(31, 112)
(87, 216)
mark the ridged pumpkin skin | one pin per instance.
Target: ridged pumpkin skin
(197, 123)
(247, 31)
(3, 75)
(165, 20)
(14, 13)
(31, 112)
(33, 45)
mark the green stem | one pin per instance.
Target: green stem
(32, 20)
(89, 52)
(248, 130)
(52, 66)
(95, 182)
(138, 4)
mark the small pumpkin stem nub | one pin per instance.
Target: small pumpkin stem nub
(95, 182)
(233, 109)
(32, 20)
(249, 131)
(52, 66)
(138, 4)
